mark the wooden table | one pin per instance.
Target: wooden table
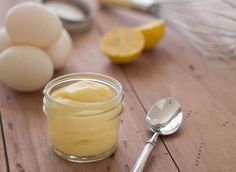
(206, 140)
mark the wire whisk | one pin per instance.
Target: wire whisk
(208, 25)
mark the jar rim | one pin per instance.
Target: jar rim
(85, 75)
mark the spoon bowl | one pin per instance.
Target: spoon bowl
(165, 116)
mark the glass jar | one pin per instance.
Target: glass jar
(85, 132)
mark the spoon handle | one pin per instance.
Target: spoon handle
(140, 163)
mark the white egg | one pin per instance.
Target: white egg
(5, 41)
(25, 68)
(60, 51)
(33, 24)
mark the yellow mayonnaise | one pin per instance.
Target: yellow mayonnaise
(81, 123)
(84, 92)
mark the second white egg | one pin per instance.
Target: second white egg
(60, 51)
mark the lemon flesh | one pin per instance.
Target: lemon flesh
(122, 45)
(153, 32)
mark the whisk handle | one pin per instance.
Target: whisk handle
(120, 3)
(139, 5)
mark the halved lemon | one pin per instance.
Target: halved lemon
(152, 32)
(122, 45)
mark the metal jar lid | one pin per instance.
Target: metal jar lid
(76, 15)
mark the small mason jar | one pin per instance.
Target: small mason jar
(85, 132)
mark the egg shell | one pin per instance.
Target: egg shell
(60, 51)
(25, 68)
(33, 24)
(5, 41)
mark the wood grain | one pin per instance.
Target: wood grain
(2, 147)
(3, 161)
(27, 139)
(205, 91)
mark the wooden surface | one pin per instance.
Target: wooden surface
(205, 142)
(3, 163)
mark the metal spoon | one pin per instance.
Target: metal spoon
(164, 118)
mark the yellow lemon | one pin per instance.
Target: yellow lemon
(122, 45)
(152, 32)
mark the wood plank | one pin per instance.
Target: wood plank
(3, 161)
(208, 116)
(4, 5)
(24, 124)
